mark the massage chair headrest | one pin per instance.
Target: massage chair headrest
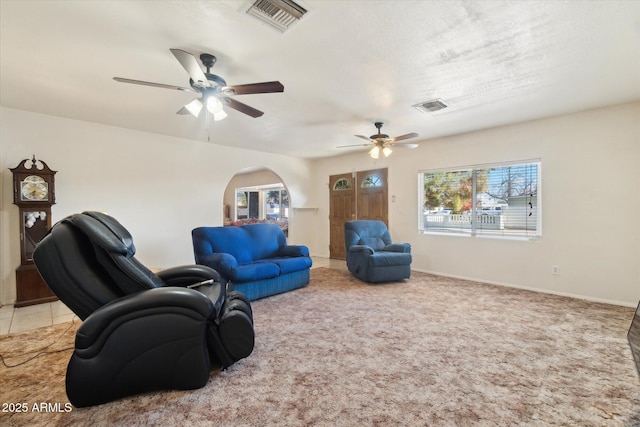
(104, 231)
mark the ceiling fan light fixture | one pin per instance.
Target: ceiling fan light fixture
(219, 116)
(214, 105)
(382, 142)
(194, 107)
(214, 89)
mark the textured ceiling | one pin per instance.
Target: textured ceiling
(345, 65)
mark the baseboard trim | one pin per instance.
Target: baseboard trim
(528, 288)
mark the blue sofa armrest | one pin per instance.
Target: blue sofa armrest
(361, 248)
(222, 262)
(398, 247)
(293, 251)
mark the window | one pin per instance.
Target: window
(342, 184)
(270, 202)
(276, 204)
(371, 181)
(247, 203)
(497, 200)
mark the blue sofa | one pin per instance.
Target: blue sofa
(255, 258)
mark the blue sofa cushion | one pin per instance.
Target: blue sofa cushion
(380, 259)
(254, 271)
(293, 251)
(368, 232)
(247, 243)
(249, 253)
(374, 242)
(289, 265)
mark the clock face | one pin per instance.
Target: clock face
(34, 189)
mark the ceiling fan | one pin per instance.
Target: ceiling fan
(214, 90)
(384, 143)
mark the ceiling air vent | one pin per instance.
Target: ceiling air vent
(279, 14)
(431, 106)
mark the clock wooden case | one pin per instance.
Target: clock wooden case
(34, 194)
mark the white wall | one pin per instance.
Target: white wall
(590, 204)
(159, 187)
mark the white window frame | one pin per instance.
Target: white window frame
(283, 211)
(473, 230)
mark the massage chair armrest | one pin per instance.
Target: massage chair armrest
(142, 306)
(398, 247)
(364, 249)
(187, 275)
(293, 251)
(150, 340)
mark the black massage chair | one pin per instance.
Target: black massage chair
(141, 331)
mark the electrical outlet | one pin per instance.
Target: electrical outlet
(555, 270)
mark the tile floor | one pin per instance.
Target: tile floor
(14, 320)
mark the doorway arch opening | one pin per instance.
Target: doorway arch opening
(254, 195)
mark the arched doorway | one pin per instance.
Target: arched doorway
(256, 194)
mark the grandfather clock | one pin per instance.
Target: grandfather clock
(33, 193)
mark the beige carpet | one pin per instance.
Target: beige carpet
(431, 351)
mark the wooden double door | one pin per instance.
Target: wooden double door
(352, 196)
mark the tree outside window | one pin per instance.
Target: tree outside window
(497, 199)
(277, 204)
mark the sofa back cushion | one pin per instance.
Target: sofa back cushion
(366, 232)
(246, 243)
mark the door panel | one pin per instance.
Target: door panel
(365, 197)
(342, 208)
(373, 195)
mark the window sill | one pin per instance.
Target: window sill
(481, 236)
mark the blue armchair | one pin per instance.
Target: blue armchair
(372, 256)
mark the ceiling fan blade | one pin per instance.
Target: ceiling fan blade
(265, 87)
(189, 63)
(143, 83)
(183, 110)
(243, 108)
(363, 137)
(354, 145)
(404, 145)
(403, 137)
